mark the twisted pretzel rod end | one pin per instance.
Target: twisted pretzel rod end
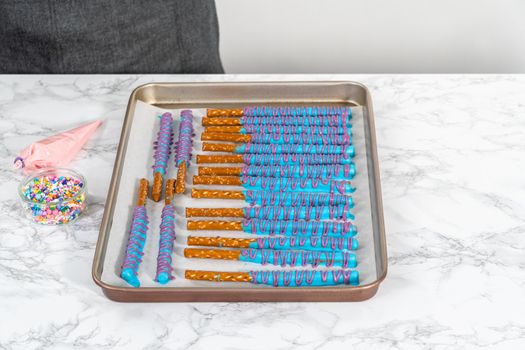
(156, 189)
(217, 276)
(226, 112)
(203, 253)
(196, 193)
(214, 212)
(220, 242)
(143, 192)
(212, 136)
(223, 129)
(208, 121)
(218, 147)
(216, 171)
(204, 158)
(180, 186)
(193, 225)
(170, 188)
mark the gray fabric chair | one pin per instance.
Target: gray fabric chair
(109, 36)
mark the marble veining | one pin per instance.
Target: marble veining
(452, 159)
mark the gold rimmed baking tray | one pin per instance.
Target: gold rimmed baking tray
(236, 95)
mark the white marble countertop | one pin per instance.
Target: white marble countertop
(452, 159)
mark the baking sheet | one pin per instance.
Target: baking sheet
(138, 163)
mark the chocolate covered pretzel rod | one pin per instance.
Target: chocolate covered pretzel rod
(137, 237)
(292, 278)
(276, 198)
(331, 171)
(277, 227)
(279, 243)
(278, 183)
(306, 212)
(280, 148)
(276, 159)
(287, 138)
(166, 237)
(272, 129)
(283, 258)
(162, 154)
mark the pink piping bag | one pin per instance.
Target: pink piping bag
(57, 150)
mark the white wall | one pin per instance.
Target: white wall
(372, 36)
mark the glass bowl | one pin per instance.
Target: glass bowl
(65, 208)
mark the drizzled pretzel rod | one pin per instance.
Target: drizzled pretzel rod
(279, 278)
(162, 154)
(273, 198)
(278, 227)
(137, 237)
(332, 171)
(304, 117)
(280, 243)
(261, 111)
(305, 212)
(166, 236)
(279, 129)
(315, 138)
(283, 258)
(282, 148)
(290, 184)
(276, 159)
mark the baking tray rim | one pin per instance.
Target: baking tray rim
(265, 294)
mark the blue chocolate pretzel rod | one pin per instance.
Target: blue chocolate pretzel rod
(325, 243)
(280, 278)
(305, 212)
(317, 137)
(278, 183)
(278, 149)
(278, 227)
(329, 171)
(330, 116)
(276, 159)
(276, 198)
(283, 258)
